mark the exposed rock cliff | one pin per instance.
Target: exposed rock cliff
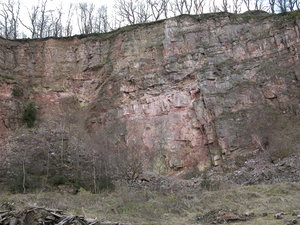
(184, 92)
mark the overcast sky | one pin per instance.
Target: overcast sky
(66, 3)
(109, 3)
(26, 5)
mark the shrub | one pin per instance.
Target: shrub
(58, 180)
(17, 91)
(29, 114)
(105, 183)
(15, 182)
(208, 184)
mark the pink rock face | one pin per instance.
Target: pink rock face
(166, 123)
(5, 95)
(5, 91)
(184, 92)
(10, 108)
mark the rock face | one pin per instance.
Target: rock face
(184, 92)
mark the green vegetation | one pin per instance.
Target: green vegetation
(15, 184)
(57, 180)
(29, 115)
(105, 184)
(291, 15)
(17, 91)
(209, 185)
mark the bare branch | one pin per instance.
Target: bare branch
(127, 10)
(68, 29)
(9, 18)
(282, 5)
(199, 6)
(225, 6)
(213, 7)
(247, 4)
(236, 6)
(158, 8)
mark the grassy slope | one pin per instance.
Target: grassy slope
(148, 207)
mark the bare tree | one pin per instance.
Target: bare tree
(178, 7)
(132, 12)
(259, 5)
(9, 18)
(292, 5)
(24, 170)
(114, 22)
(143, 12)
(101, 20)
(236, 6)
(199, 6)
(182, 7)
(166, 8)
(188, 6)
(282, 5)
(127, 9)
(247, 4)
(43, 19)
(297, 5)
(129, 162)
(91, 19)
(68, 28)
(5, 29)
(272, 5)
(85, 17)
(39, 20)
(213, 7)
(225, 6)
(158, 8)
(55, 28)
(33, 16)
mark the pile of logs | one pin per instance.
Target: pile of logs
(45, 216)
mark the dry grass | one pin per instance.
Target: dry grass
(148, 207)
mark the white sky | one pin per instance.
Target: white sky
(55, 3)
(26, 5)
(67, 2)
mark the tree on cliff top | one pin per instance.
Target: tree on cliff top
(42, 20)
(9, 19)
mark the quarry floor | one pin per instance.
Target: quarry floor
(129, 206)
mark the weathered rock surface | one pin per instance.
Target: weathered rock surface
(185, 92)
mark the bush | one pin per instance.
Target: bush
(15, 182)
(17, 91)
(208, 184)
(58, 180)
(105, 183)
(29, 114)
